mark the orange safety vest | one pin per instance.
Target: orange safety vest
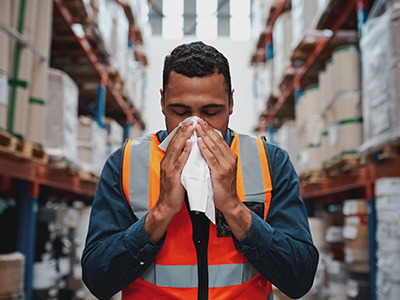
(173, 273)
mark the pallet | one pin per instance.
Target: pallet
(312, 177)
(87, 176)
(8, 143)
(386, 152)
(32, 152)
(342, 165)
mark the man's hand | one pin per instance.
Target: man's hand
(172, 193)
(222, 162)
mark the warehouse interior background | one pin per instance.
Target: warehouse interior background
(319, 78)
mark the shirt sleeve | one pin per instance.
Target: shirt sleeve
(117, 249)
(281, 248)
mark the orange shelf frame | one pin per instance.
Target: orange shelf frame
(37, 174)
(100, 69)
(321, 44)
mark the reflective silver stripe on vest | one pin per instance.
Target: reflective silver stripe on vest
(251, 169)
(140, 175)
(186, 276)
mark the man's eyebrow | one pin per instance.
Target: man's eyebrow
(213, 105)
(179, 105)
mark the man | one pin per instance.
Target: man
(143, 238)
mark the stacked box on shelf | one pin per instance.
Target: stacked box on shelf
(62, 119)
(287, 138)
(12, 266)
(38, 90)
(355, 232)
(140, 11)
(341, 105)
(136, 80)
(92, 146)
(23, 19)
(309, 124)
(387, 191)
(303, 13)
(380, 46)
(114, 28)
(5, 10)
(282, 41)
(115, 135)
(262, 87)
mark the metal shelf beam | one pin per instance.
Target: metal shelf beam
(100, 69)
(13, 167)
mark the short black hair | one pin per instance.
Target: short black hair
(197, 59)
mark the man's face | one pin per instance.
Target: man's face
(204, 97)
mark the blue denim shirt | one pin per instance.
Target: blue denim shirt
(280, 248)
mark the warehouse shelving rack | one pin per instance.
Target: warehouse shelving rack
(30, 180)
(355, 183)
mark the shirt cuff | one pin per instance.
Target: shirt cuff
(138, 242)
(258, 241)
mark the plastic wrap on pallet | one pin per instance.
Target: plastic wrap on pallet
(262, 86)
(303, 13)
(380, 45)
(355, 232)
(287, 140)
(387, 191)
(114, 28)
(38, 90)
(310, 145)
(115, 135)
(23, 19)
(282, 40)
(5, 11)
(136, 80)
(61, 119)
(346, 69)
(92, 146)
(349, 123)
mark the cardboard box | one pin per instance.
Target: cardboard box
(39, 84)
(20, 68)
(12, 268)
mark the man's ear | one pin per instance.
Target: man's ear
(231, 102)
(162, 101)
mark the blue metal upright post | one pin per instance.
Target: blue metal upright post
(100, 104)
(27, 213)
(127, 130)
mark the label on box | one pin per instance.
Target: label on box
(333, 134)
(350, 207)
(350, 232)
(304, 156)
(3, 88)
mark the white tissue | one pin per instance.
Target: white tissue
(195, 176)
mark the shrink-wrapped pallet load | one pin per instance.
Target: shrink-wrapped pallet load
(288, 140)
(310, 126)
(282, 41)
(387, 191)
(303, 13)
(115, 135)
(346, 70)
(380, 48)
(23, 20)
(349, 112)
(92, 146)
(355, 232)
(5, 18)
(38, 91)
(62, 119)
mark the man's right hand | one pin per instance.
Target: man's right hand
(172, 193)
